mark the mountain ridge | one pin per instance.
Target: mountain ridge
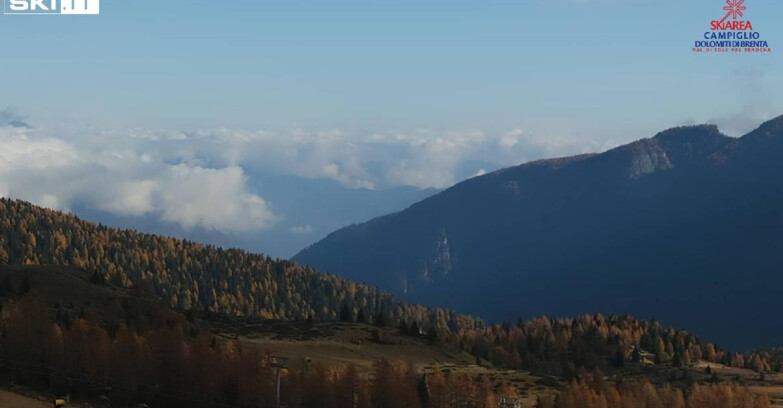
(678, 204)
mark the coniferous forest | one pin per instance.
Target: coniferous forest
(174, 364)
(200, 369)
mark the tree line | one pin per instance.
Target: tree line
(192, 276)
(170, 364)
(563, 346)
(595, 392)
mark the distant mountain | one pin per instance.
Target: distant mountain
(686, 227)
(308, 208)
(18, 124)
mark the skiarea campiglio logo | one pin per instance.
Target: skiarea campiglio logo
(732, 33)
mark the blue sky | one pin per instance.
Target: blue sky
(150, 95)
(584, 67)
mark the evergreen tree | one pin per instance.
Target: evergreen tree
(677, 359)
(636, 356)
(413, 330)
(346, 315)
(432, 334)
(381, 320)
(360, 318)
(619, 359)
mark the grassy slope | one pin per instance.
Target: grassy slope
(340, 344)
(331, 344)
(334, 344)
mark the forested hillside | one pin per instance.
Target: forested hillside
(188, 276)
(597, 393)
(193, 276)
(122, 362)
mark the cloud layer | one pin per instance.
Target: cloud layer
(205, 178)
(105, 176)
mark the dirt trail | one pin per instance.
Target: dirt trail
(10, 400)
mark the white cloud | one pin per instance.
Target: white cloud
(431, 158)
(377, 160)
(510, 139)
(205, 178)
(214, 199)
(109, 173)
(50, 201)
(21, 152)
(132, 198)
